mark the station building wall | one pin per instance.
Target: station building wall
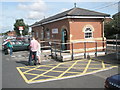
(75, 32)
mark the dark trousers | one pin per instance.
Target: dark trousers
(30, 57)
(11, 51)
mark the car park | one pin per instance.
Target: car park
(113, 82)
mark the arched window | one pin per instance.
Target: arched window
(88, 31)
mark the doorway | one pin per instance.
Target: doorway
(64, 39)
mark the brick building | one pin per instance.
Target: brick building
(73, 25)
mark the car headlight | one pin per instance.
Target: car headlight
(114, 84)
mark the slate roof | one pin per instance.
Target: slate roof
(73, 12)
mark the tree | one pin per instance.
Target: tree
(113, 27)
(108, 29)
(116, 22)
(20, 22)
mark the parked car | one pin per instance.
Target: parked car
(113, 82)
(18, 46)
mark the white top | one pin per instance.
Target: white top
(38, 50)
(34, 45)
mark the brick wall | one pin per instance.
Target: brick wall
(75, 31)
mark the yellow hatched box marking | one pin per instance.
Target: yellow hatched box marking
(42, 73)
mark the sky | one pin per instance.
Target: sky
(36, 10)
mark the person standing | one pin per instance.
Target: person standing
(10, 47)
(38, 51)
(33, 50)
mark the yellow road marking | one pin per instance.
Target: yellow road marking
(45, 72)
(87, 66)
(26, 80)
(41, 69)
(73, 72)
(95, 64)
(81, 64)
(31, 74)
(41, 80)
(103, 65)
(94, 68)
(48, 76)
(67, 70)
(32, 69)
(101, 69)
(68, 66)
(55, 70)
(47, 66)
(90, 72)
(84, 68)
(62, 67)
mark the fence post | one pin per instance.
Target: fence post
(60, 51)
(96, 49)
(55, 51)
(106, 47)
(72, 52)
(116, 47)
(113, 44)
(51, 49)
(84, 49)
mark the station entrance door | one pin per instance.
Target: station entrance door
(64, 39)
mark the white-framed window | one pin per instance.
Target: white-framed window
(33, 33)
(42, 34)
(48, 34)
(88, 32)
(36, 34)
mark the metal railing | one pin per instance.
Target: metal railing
(57, 49)
(115, 46)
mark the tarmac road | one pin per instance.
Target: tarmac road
(12, 79)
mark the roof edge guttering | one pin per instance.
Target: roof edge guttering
(72, 13)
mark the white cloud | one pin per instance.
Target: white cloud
(38, 6)
(22, 6)
(35, 10)
(35, 15)
(35, 6)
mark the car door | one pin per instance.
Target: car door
(14, 45)
(17, 46)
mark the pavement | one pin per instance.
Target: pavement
(108, 58)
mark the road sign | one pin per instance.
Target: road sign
(21, 28)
